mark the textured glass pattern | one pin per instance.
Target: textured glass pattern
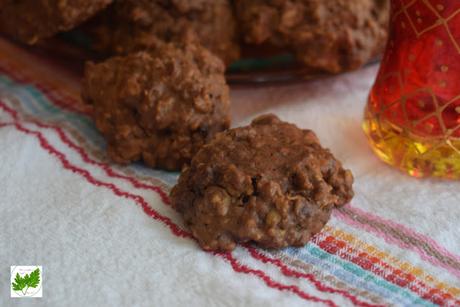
(413, 114)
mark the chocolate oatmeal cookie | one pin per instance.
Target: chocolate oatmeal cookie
(159, 106)
(32, 20)
(134, 25)
(270, 182)
(332, 35)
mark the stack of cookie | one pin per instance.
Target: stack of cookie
(332, 36)
(162, 98)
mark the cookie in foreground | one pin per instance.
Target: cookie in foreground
(270, 183)
(158, 106)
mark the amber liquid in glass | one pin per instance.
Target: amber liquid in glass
(418, 156)
(412, 118)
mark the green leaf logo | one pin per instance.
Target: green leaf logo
(27, 281)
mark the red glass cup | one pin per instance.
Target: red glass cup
(412, 118)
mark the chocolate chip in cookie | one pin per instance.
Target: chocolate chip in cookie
(270, 183)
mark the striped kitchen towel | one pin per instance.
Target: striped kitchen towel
(106, 235)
